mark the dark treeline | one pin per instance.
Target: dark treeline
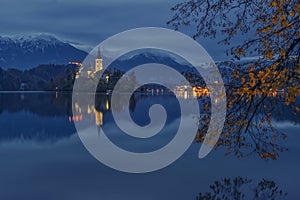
(46, 77)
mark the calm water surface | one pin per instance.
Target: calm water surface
(42, 156)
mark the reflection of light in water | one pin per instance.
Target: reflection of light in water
(185, 95)
(216, 100)
(90, 109)
(77, 108)
(76, 118)
(106, 105)
(99, 117)
(56, 95)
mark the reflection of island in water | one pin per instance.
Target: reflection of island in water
(48, 116)
(43, 116)
(103, 102)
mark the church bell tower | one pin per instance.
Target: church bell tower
(99, 60)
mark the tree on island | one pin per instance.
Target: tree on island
(257, 86)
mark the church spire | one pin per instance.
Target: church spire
(99, 53)
(99, 64)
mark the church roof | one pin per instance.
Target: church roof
(99, 54)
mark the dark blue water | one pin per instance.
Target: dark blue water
(42, 156)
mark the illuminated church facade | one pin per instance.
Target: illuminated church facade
(90, 70)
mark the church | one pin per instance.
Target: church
(99, 62)
(90, 70)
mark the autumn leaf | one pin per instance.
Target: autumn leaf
(243, 80)
(269, 54)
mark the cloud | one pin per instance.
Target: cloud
(88, 22)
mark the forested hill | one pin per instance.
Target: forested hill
(42, 77)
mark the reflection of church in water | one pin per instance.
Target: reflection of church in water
(90, 112)
(99, 110)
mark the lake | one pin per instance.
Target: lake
(42, 156)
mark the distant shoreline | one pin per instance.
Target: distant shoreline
(31, 91)
(71, 92)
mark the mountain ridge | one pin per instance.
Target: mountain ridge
(25, 52)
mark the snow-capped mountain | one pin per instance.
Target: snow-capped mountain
(30, 51)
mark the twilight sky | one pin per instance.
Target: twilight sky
(86, 23)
